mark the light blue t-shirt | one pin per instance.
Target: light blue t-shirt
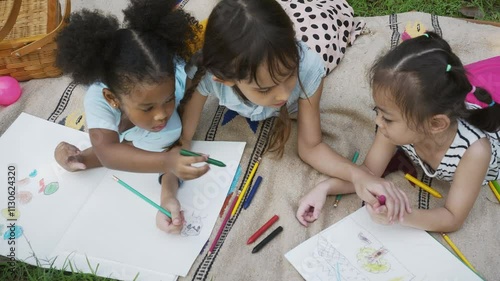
(100, 115)
(311, 72)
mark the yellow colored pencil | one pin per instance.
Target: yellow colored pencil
(457, 251)
(497, 195)
(245, 187)
(423, 186)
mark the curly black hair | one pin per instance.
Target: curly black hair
(94, 48)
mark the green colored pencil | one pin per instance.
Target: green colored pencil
(143, 197)
(185, 152)
(339, 196)
(496, 185)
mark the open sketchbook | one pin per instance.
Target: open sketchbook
(356, 248)
(89, 220)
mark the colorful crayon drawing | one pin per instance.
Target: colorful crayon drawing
(48, 189)
(24, 181)
(346, 253)
(11, 214)
(33, 173)
(24, 197)
(327, 263)
(13, 232)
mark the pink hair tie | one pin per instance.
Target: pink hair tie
(471, 98)
(472, 91)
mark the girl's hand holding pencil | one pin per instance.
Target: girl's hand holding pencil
(170, 225)
(182, 166)
(172, 220)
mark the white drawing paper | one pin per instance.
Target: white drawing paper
(87, 217)
(356, 248)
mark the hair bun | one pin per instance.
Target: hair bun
(147, 15)
(84, 44)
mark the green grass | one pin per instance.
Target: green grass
(449, 8)
(20, 271)
(365, 8)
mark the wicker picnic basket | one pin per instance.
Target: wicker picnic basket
(28, 29)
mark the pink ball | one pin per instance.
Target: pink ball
(10, 90)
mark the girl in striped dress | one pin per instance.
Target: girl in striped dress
(424, 104)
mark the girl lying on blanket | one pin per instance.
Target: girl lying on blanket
(252, 63)
(138, 79)
(422, 93)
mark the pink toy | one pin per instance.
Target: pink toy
(10, 90)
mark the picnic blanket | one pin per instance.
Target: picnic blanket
(348, 125)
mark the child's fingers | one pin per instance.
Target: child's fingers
(163, 222)
(302, 212)
(177, 218)
(195, 159)
(392, 203)
(407, 201)
(190, 172)
(405, 204)
(74, 163)
(76, 166)
(316, 212)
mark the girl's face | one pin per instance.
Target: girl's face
(391, 122)
(149, 106)
(266, 91)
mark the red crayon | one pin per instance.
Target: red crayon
(222, 226)
(381, 199)
(263, 229)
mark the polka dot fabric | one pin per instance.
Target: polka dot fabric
(326, 26)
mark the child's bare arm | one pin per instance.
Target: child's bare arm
(464, 190)
(325, 160)
(191, 117)
(169, 187)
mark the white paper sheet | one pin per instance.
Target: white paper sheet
(356, 248)
(90, 216)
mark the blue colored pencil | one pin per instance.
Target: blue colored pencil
(252, 192)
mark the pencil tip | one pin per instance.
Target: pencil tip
(115, 178)
(255, 250)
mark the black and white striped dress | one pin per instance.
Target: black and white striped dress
(466, 136)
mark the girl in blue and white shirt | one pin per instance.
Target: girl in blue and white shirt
(251, 62)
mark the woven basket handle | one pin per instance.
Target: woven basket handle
(11, 20)
(47, 38)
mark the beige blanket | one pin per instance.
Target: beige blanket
(347, 123)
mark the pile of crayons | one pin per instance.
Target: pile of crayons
(233, 209)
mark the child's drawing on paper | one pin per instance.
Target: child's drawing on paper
(48, 189)
(24, 197)
(24, 181)
(11, 214)
(351, 253)
(327, 263)
(13, 232)
(33, 173)
(370, 258)
(193, 224)
(43, 181)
